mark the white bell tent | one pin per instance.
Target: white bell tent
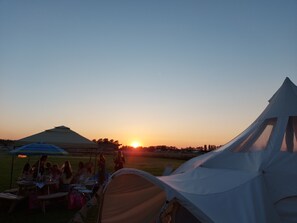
(253, 178)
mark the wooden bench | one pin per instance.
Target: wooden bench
(48, 197)
(12, 190)
(13, 198)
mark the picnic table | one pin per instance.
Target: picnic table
(28, 186)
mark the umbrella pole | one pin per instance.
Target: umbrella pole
(38, 170)
(11, 171)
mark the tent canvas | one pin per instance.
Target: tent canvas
(253, 178)
(61, 136)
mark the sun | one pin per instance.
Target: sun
(135, 144)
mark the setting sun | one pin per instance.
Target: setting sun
(135, 144)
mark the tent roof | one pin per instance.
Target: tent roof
(240, 182)
(283, 102)
(61, 136)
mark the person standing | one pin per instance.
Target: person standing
(119, 161)
(101, 169)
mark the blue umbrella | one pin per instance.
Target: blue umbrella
(39, 149)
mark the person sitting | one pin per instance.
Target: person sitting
(48, 169)
(90, 168)
(27, 173)
(66, 177)
(55, 172)
(55, 177)
(38, 167)
(80, 175)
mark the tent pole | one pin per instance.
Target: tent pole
(11, 171)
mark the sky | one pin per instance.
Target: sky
(176, 73)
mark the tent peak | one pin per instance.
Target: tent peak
(287, 85)
(288, 81)
(62, 127)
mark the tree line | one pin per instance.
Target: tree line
(106, 144)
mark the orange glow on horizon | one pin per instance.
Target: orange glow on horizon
(135, 144)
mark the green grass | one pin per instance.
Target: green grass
(154, 166)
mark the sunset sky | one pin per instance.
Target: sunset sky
(176, 73)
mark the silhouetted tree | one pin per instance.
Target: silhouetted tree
(106, 144)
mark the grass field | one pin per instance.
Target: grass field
(154, 166)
